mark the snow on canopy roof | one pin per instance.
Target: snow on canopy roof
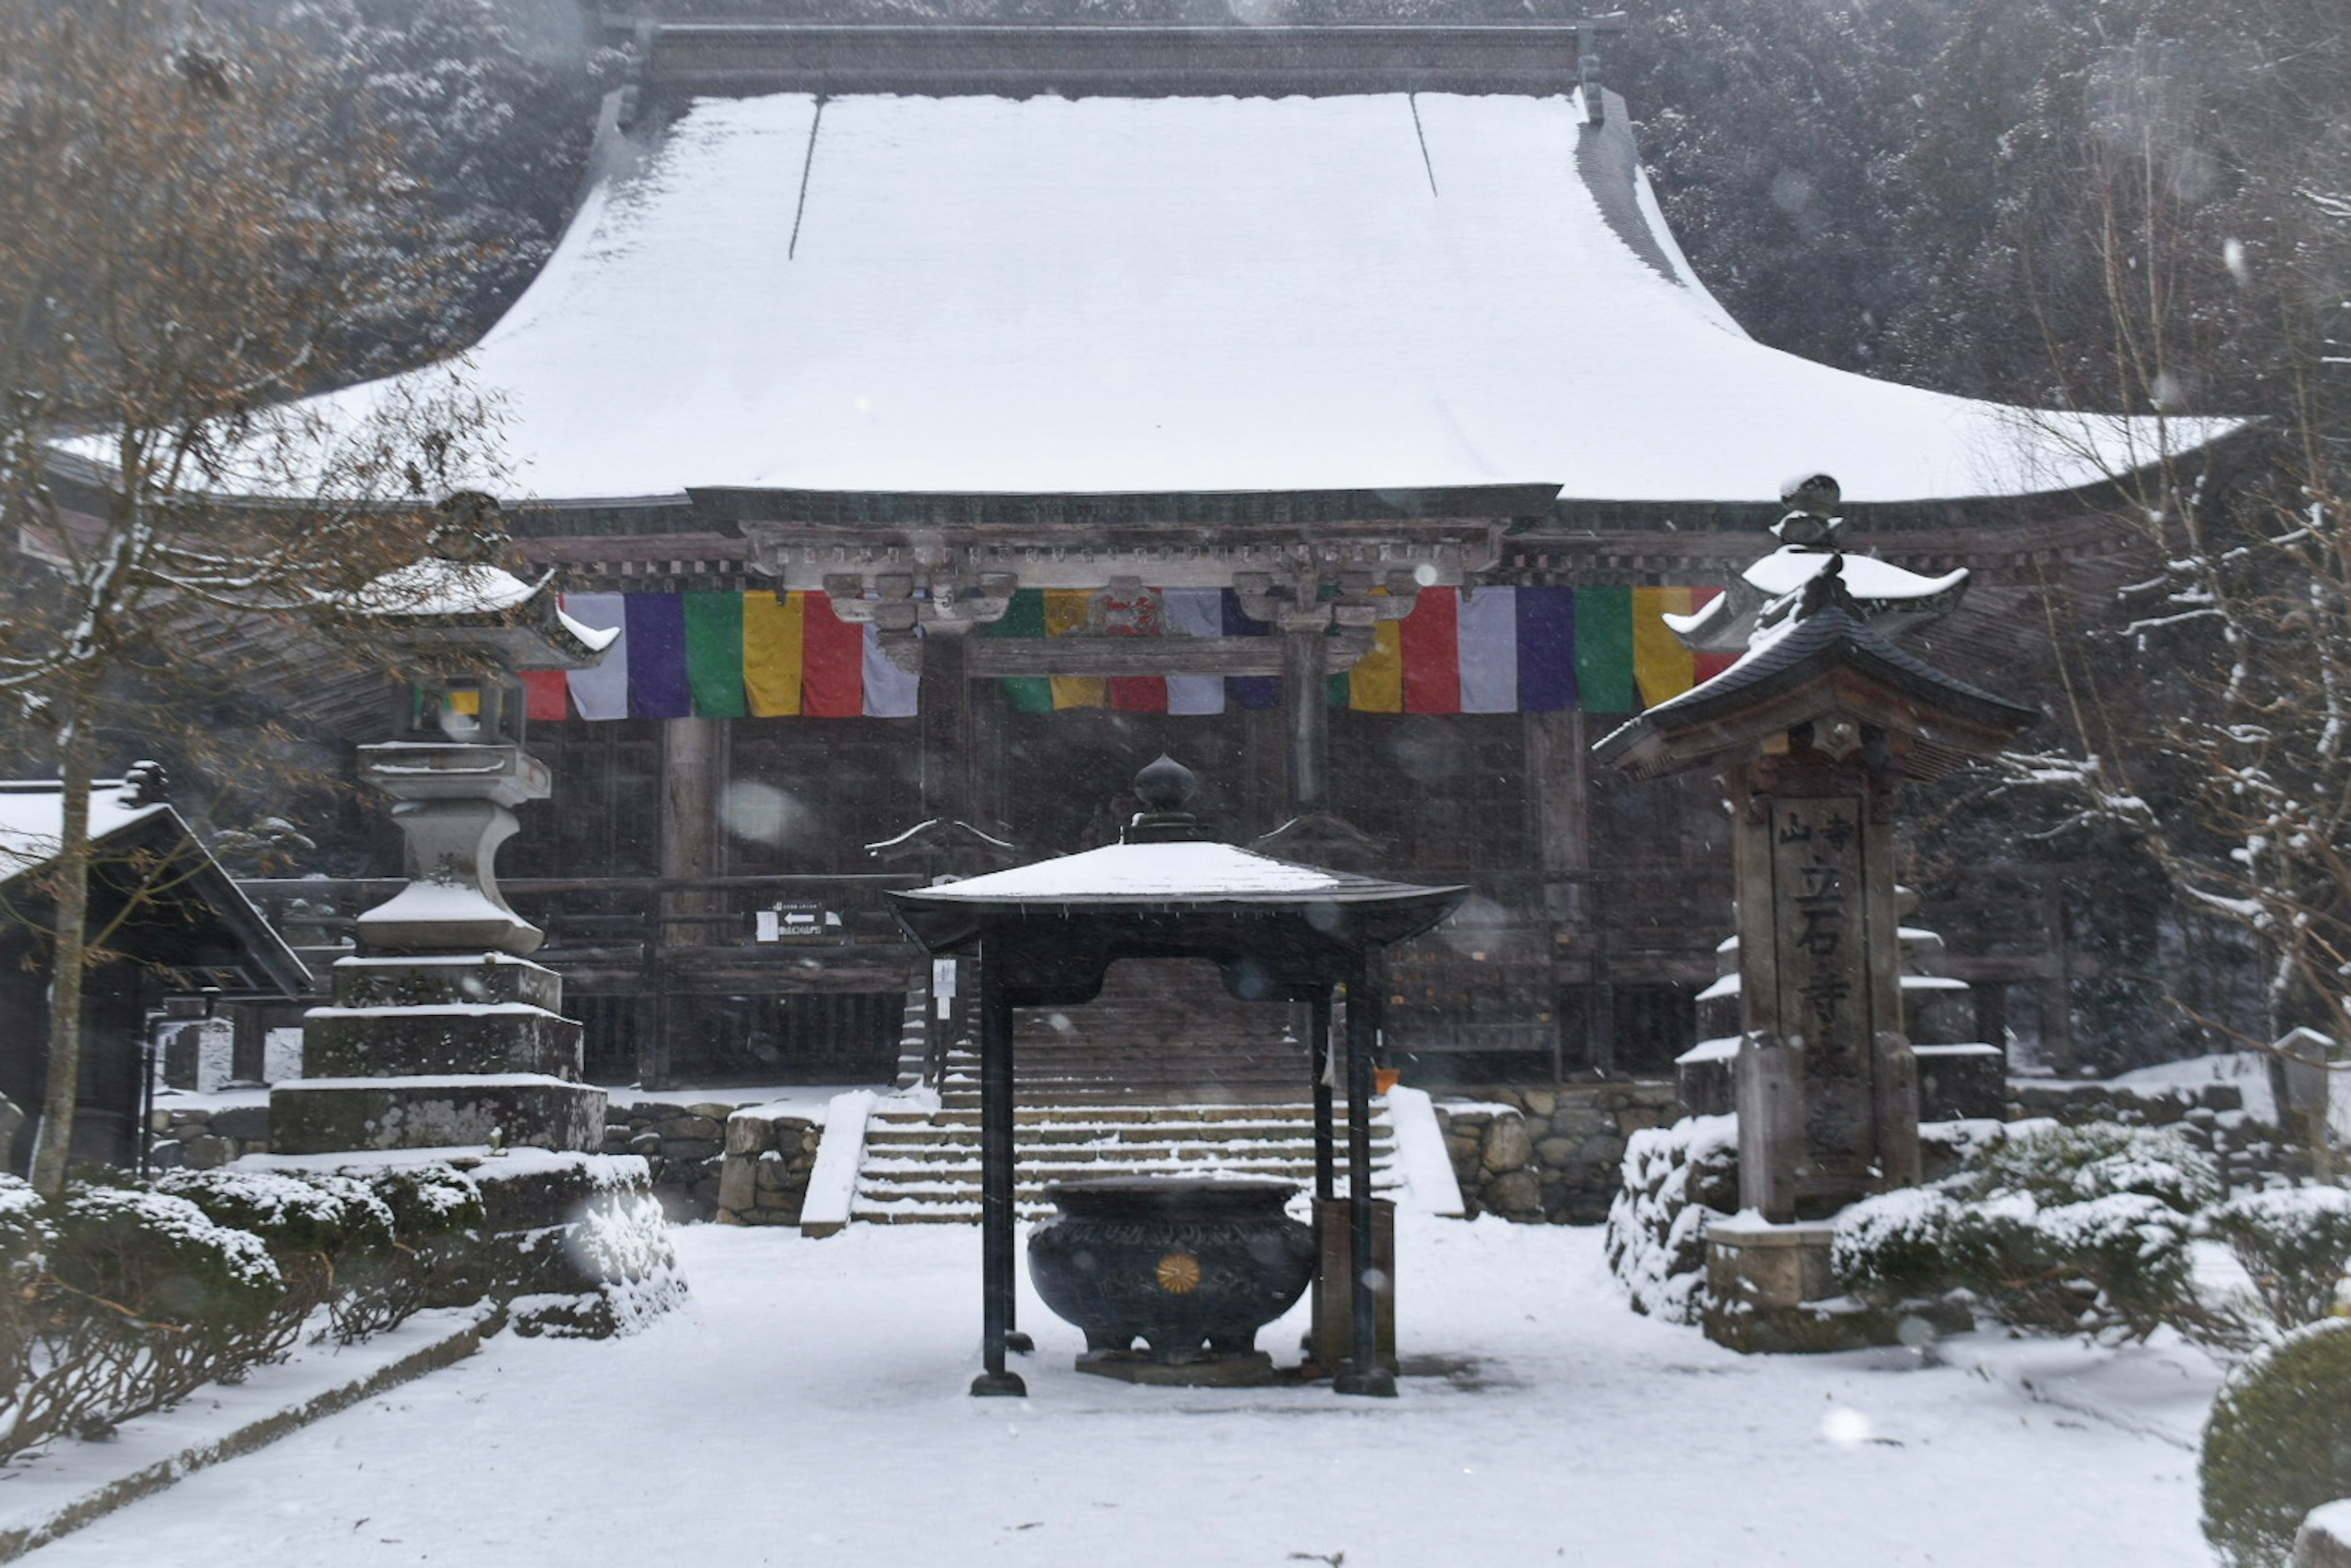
(1181, 871)
(991, 295)
(32, 814)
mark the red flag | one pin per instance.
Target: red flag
(547, 695)
(1432, 652)
(832, 663)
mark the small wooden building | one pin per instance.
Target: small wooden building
(167, 918)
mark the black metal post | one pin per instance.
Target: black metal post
(994, 1182)
(1326, 1176)
(1363, 1373)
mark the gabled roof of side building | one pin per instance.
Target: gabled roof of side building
(929, 263)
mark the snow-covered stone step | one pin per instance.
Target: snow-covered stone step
(888, 1157)
(1094, 1136)
(1148, 1110)
(925, 1166)
(899, 1175)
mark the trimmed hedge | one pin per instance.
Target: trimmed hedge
(118, 1300)
(2279, 1445)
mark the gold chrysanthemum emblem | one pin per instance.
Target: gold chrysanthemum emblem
(1179, 1273)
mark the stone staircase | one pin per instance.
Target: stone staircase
(1162, 1075)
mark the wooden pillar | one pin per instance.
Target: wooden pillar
(995, 1158)
(1306, 718)
(693, 775)
(1559, 802)
(945, 709)
(1559, 784)
(1326, 1178)
(1362, 1374)
(693, 772)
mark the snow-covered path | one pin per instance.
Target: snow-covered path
(810, 1409)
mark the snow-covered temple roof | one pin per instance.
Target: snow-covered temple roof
(871, 291)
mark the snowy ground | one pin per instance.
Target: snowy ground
(809, 1407)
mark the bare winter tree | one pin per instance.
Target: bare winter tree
(2217, 264)
(196, 228)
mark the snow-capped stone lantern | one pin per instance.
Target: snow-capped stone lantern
(1814, 729)
(442, 1031)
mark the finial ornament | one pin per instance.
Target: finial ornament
(1165, 784)
(1163, 787)
(1811, 521)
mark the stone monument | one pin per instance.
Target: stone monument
(1813, 730)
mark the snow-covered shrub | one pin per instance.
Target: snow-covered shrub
(436, 1209)
(2072, 1234)
(622, 1240)
(2294, 1244)
(1675, 1179)
(331, 1236)
(2279, 1445)
(2099, 1159)
(141, 1299)
(1897, 1246)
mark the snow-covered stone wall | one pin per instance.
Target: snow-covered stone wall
(1549, 1155)
(2212, 1116)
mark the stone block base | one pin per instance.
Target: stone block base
(571, 1245)
(520, 1111)
(1773, 1291)
(406, 1042)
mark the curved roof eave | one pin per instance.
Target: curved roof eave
(980, 295)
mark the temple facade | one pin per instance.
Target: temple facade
(951, 419)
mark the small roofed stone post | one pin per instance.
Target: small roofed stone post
(442, 1031)
(1813, 730)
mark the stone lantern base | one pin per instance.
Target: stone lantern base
(422, 1051)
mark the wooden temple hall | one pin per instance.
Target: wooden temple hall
(952, 419)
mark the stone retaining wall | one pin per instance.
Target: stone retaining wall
(1549, 1155)
(682, 1145)
(765, 1175)
(201, 1139)
(2212, 1116)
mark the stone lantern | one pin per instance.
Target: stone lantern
(1813, 730)
(442, 1031)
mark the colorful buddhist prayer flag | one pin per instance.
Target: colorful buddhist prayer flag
(832, 661)
(890, 686)
(601, 691)
(1196, 612)
(657, 687)
(771, 653)
(714, 654)
(1024, 617)
(1545, 620)
(1496, 649)
(1258, 692)
(1603, 648)
(1067, 610)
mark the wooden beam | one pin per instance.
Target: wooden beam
(1153, 655)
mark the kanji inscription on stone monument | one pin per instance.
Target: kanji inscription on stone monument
(1817, 888)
